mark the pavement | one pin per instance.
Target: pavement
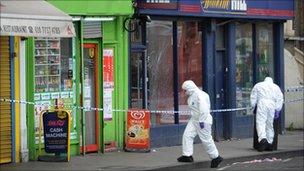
(164, 158)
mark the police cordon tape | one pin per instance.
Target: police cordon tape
(124, 110)
(294, 89)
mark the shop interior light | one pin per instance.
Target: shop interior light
(99, 18)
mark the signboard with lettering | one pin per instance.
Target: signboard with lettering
(108, 68)
(39, 28)
(56, 128)
(108, 82)
(263, 9)
(34, 19)
(138, 130)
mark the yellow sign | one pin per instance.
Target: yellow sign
(221, 4)
(91, 52)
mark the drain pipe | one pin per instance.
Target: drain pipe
(23, 129)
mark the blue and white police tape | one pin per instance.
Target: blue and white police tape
(87, 108)
(294, 89)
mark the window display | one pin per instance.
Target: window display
(160, 70)
(53, 76)
(244, 66)
(264, 51)
(47, 64)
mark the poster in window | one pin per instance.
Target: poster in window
(108, 82)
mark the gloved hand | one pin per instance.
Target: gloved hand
(202, 125)
(253, 109)
(276, 114)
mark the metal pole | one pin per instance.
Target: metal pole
(175, 72)
(82, 76)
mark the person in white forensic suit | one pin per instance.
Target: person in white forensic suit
(267, 98)
(199, 124)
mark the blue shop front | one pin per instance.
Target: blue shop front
(224, 46)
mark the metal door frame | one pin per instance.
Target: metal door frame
(92, 147)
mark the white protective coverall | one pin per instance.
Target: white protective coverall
(268, 98)
(200, 122)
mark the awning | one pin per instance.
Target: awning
(34, 18)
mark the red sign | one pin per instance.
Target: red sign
(138, 130)
(108, 68)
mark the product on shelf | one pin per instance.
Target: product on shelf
(47, 64)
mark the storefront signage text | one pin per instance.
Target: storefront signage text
(238, 5)
(55, 126)
(138, 130)
(224, 5)
(30, 29)
(108, 82)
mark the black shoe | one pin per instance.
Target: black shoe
(185, 159)
(269, 147)
(262, 145)
(215, 162)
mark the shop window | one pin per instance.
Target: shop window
(53, 63)
(136, 66)
(160, 71)
(190, 61)
(244, 66)
(264, 51)
(136, 81)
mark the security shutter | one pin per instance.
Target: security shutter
(5, 107)
(92, 29)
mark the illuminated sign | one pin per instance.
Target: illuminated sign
(238, 5)
(259, 9)
(220, 4)
(224, 6)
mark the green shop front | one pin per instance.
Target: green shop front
(86, 75)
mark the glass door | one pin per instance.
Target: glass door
(136, 81)
(220, 83)
(90, 98)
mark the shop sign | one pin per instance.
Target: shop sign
(138, 130)
(276, 9)
(34, 19)
(56, 131)
(108, 82)
(224, 6)
(108, 68)
(35, 28)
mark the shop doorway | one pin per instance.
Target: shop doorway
(220, 83)
(89, 97)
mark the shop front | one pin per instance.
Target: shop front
(21, 22)
(225, 47)
(99, 71)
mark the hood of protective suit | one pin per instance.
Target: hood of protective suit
(268, 80)
(189, 86)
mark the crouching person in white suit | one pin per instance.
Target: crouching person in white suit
(199, 124)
